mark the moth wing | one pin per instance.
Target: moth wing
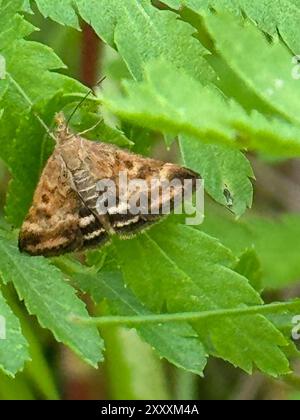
(57, 221)
(107, 161)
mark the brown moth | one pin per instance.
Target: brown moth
(63, 216)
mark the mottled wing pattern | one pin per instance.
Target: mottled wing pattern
(64, 216)
(58, 222)
(107, 161)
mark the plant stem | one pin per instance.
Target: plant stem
(90, 52)
(187, 316)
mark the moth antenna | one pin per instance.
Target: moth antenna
(30, 103)
(90, 92)
(91, 128)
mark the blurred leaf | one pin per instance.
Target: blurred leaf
(249, 266)
(38, 372)
(275, 241)
(14, 348)
(15, 389)
(238, 42)
(27, 6)
(129, 361)
(180, 105)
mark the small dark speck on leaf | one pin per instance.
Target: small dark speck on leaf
(228, 197)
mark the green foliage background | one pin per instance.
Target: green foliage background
(214, 78)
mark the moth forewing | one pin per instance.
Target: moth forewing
(65, 215)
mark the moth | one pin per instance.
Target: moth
(64, 218)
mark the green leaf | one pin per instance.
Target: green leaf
(27, 6)
(60, 11)
(174, 269)
(12, 25)
(226, 172)
(105, 133)
(104, 22)
(14, 348)
(181, 105)
(151, 33)
(50, 298)
(140, 32)
(165, 274)
(39, 369)
(178, 343)
(37, 78)
(276, 242)
(22, 139)
(88, 117)
(2, 67)
(249, 266)
(238, 42)
(30, 141)
(272, 16)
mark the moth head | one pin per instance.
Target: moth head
(62, 130)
